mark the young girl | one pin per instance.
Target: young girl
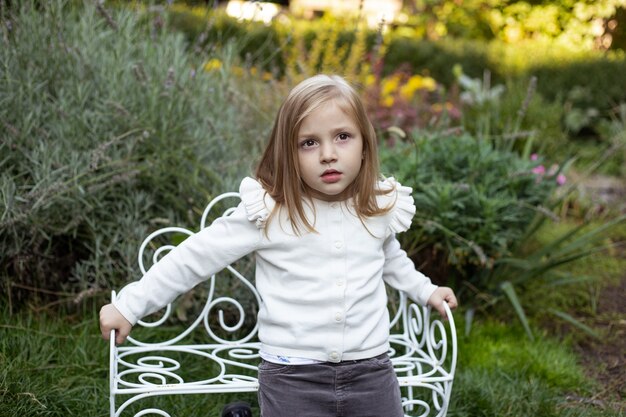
(322, 224)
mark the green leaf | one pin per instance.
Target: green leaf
(574, 322)
(508, 289)
(569, 279)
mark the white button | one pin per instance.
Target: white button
(338, 244)
(338, 317)
(333, 356)
(339, 282)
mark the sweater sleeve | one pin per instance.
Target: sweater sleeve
(400, 273)
(193, 261)
(398, 270)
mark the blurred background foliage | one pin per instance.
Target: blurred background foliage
(560, 43)
(138, 113)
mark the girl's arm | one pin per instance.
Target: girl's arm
(400, 273)
(193, 261)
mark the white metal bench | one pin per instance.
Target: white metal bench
(423, 348)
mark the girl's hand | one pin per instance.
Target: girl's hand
(440, 295)
(111, 318)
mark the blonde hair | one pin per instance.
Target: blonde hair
(279, 170)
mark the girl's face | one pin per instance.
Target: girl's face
(330, 152)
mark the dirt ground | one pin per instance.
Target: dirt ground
(605, 360)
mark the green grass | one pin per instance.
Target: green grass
(502, 373)
(58, 366)
(51, 366)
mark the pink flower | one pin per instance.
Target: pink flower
(561, 179)
(539, 170)
(533, 157)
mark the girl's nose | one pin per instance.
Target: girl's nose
(327, 153)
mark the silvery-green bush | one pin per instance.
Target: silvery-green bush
(478, 209)
(474, 201)
(109, 127)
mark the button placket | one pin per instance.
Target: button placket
(336, 240)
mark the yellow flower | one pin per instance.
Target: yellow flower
(415, 83)
(387, 101)
(237, 71)
(407, 91)
(370, 79)
(429, 84)
(390, 85)
(213, 64)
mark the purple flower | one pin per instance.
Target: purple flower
(561, 179)
(533, 157)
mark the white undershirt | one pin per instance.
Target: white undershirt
(287, 360)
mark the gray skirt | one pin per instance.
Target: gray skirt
(363, 388)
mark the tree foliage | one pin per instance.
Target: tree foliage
(584, 24)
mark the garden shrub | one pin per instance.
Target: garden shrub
(192, 22)
(557, 70)
(438, 58)
(407, 101)
(514, 115)
(270, 46)
(210, 29)
(479, 205)
(597, 82)
(108, 127)
(473, 201)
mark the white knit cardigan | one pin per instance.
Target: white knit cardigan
(323, 292)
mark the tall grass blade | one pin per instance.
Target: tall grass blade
(508, 289)
(574, 322)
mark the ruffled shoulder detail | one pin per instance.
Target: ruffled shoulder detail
(403, 209)
(257, 202)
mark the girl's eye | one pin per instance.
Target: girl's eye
(307, 143)
(344, 136)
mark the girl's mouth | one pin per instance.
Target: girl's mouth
(331, 176)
